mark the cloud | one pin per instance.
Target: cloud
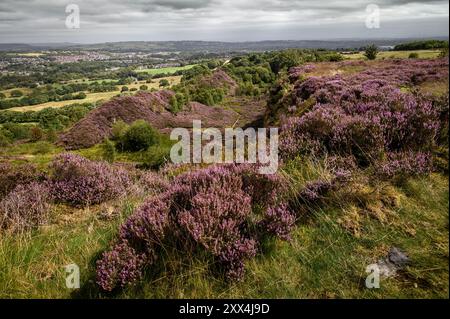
(103, 20)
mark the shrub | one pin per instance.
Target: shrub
(413, 55)
(16, 93)
(36, 134)
(24, 208)
(224, 210)
(371, 52)
(138, 137)
(143, 87)
(353, 125)
(11, 176)
(80, 182)
(4, 140)
(108, 151)
(18, 131)
(118, 129)
(403, 164)
(164, 83)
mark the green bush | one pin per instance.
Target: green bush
(157, 155)
(164, 83)
(138, 137)
(16, 93)
(4, 140)
(108, 151)
(118, 130)
(36, 134)
(18, 131)
(413, 55)
(371, 52)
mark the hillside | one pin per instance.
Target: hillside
(362, 180)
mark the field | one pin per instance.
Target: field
(423, 54)
(96, 97)
(168, 70)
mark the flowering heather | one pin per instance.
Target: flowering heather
(78, 181)
(404, 164)
(279, 221)
(296, 72)
(153, 107)
(24, 208)
(224, 210)
(119, 267)
(11, 176)
(364, 114)
(153, 182)
(315, 190)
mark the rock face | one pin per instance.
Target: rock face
(152, 107)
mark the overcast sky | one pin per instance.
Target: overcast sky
(32, 21)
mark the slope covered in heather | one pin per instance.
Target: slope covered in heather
(152, 107)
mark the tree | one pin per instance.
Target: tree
(371, 52)
(164, 83)
(108, 151)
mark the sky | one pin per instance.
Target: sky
(44, 21)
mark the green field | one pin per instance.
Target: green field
(169, 70)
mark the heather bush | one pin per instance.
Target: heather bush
(24, 208)
(11, 176)
(403, 164)
(365, 120)
(152, 182)
(225, 210)
(78, 181)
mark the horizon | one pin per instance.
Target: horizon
(437, 37)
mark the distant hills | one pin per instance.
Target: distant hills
(208, 46)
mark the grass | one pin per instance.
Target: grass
(325, 258)
(39, 153)
(169, 70)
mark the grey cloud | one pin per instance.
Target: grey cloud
(188, 19)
